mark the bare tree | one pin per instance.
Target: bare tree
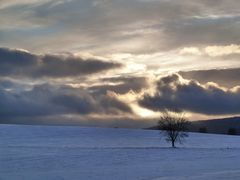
(173, 126)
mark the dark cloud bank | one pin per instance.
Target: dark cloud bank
(210, 99)
(19, 63)
(64, 105)
(48, 100)
(24, 102)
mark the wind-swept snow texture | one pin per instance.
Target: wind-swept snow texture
(76, 153)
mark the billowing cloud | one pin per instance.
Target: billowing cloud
(25, 64)
(51, 100)
(178, 94)
(64, 105)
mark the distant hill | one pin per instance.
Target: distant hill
(215, 126)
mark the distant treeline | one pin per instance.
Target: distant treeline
(216, 126)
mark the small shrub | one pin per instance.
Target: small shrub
(203, 130)
(232, 131)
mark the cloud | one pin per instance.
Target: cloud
(121, 85)
(7, 84)
(175, 93)
(119, 26)
(159, 36)
(53, 100)
(64, 105)
(190, 51)
(222, 50)
(205, 31)
(19, 63)
(7, 4)
(224, 77)
(212, 51)
(71, 66)
(15, 61)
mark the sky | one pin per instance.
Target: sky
(118, 63)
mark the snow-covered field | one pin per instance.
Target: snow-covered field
(75, 153)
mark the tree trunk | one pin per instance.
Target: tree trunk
(173, 144)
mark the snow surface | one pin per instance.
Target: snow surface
(75, 153)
